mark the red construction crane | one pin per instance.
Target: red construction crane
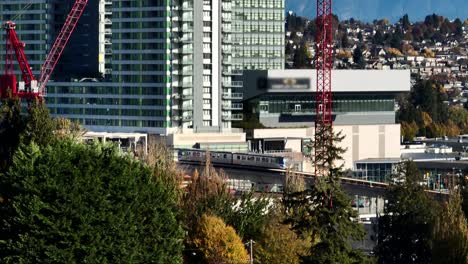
(323, 96)
(29, 88)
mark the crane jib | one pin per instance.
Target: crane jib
(30, 88)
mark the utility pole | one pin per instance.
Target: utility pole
(251, 242)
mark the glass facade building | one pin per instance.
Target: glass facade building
(376, 170)
(258, 34)
(154, 66)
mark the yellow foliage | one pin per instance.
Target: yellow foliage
(408, 49)
(428, 53)
(426, 118)
(451, 233)
(451, 129)
(343, 54)
(280, 245)
(409, 130)
(394, 52)
(218, 242)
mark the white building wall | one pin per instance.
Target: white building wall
(360, 142)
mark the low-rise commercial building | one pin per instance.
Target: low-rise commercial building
(364, 106)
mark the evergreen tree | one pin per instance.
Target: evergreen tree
(302, 57)
(458, 27)
(405, 231)
(358, 58)
(405, 22)
(11, 125)
(73, 203)
(360, 37)
(345, 40)
(323, 211)
(379, 38)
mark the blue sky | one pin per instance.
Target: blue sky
(369, 10)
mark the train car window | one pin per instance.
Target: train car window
(251, 158)
(225, 156)
(244, 158)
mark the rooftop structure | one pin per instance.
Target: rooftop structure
(286, 98)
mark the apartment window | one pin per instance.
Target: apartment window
(206, 78)
(207, 46)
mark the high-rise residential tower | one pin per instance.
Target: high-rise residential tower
(154, 66)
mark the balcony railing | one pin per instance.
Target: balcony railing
(233, 106)
(233, 117)
(234, 96)
(238, 84)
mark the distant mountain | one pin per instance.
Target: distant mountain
(368, 10)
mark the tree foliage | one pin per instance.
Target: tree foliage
(219, 243)
(451, 233)
(208, 194)
(405, 230)
(323, 211)
(358, 58)
(279, 244)
(302, 57)
(73, 203)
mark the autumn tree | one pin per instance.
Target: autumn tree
(218, 243)
(451, 232)
(409, 130)
(208, 194)
(279, 244)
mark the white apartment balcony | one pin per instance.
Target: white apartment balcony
(233, 117)
(232, 106)
(237, 84)
(187, 107)
(233, 96)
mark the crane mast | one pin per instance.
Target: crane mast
(323, 95)
(30, 88)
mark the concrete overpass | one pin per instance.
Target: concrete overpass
(370, 194)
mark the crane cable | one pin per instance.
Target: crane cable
(22, 11)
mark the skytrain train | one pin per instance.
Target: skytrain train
(230, 158)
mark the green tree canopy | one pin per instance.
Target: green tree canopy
(358, 58)
(73, 203)
(322, 211)
(405, 231)
(302, 57)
